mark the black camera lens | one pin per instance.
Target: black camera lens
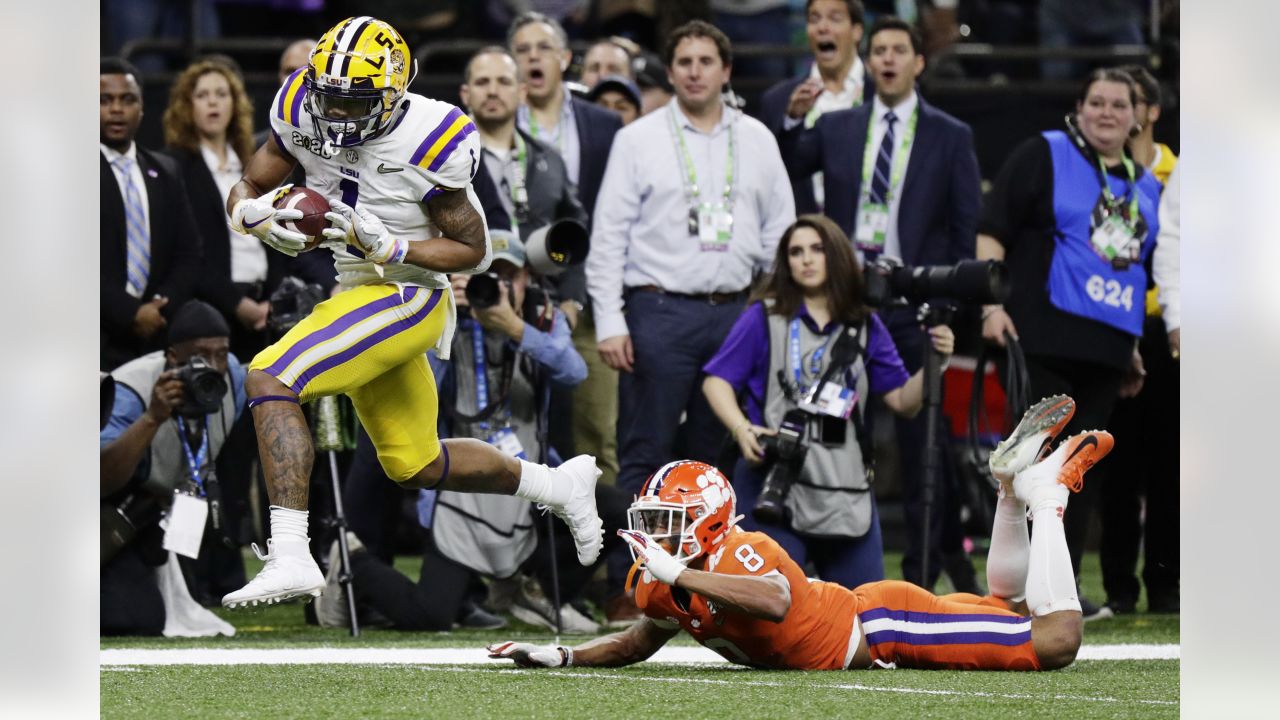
(482, 290)
(203, 388)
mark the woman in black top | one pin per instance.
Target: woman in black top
(1076, 253)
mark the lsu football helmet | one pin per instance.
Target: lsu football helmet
(688, 505)
(359, 71)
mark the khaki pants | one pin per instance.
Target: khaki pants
(595, 403)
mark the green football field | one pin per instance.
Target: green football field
(405, 677)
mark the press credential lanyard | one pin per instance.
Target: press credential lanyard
(691, 190)
(815, 361)
(482, 379)
(519, 179)
(869, 154)
(535, 130)
(196, 461)
(1112, 200)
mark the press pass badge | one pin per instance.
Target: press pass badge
(833, 401)
(187, 518)
(873, 223)
(507, 441)
(715, 227)
(1111, 240)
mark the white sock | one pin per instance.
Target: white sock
(1051, 582)
(538, 485)
(1010, 550)
(288, 527)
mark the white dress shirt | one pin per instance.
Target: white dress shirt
(1165, 266)
(563, 137)
(138, 182)
(248, 254)
(640, 233)
(903, 110)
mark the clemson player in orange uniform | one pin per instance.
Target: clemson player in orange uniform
(740, 594)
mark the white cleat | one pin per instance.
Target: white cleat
(580, 510)
(1030, 440)
(284, 577)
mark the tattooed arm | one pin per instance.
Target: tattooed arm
(461, 245)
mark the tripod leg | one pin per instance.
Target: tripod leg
(345, 577)
(555, 574)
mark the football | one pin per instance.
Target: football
(313, 206)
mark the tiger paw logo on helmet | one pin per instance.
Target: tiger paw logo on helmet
(688, 505)
(358, 73)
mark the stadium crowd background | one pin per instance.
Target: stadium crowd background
(989, 64)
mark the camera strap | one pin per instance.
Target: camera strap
(486, 408)
(195, 461)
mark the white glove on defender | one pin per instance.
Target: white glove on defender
(529, 655)
(657, 561)
(260, 218)
(359, 227)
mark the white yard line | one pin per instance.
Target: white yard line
(478, 656)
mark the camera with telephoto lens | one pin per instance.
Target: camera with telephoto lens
(203, 388)
(889, 282)
(784, 455)
(482, 290)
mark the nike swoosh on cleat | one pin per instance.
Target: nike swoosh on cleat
(382, 168)
(1089, 440)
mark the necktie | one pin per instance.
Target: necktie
(880, 181)
(138, 255)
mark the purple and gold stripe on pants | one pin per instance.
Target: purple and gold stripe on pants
(379, 324)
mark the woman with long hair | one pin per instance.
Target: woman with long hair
(1074, 218)
(208, 130)
(777, 353)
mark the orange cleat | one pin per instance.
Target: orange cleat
(1029, 441)
(1065, 466)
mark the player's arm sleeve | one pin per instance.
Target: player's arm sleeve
(617, 210)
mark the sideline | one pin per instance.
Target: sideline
(680, 655)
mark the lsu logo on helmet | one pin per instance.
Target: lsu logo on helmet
(689, 504)
(359, 71)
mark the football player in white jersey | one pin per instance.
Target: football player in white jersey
(396, 168)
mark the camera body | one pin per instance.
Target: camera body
(291, 302)
(203, 388)
(784, 454)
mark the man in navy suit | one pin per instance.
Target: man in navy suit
(901, 178)
(150, 249)
(837, 80)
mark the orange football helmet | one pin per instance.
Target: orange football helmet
(688, 503)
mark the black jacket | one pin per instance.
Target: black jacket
(175, 256)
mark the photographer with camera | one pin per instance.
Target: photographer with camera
(808, 351)
(169, 420)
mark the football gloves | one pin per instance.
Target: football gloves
(529, 655)
(260, 218)
(657, 561)
(363, 229)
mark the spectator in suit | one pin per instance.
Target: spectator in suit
(901, 178)
(583, 134)
(837, 80)
(606, 57)
(150, 249)
(693, 204)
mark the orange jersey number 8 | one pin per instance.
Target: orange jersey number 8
(749, 558)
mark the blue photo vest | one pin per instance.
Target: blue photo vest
(1081, 282)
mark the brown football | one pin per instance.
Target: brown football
(313, 206)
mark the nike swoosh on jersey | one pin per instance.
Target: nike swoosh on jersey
(382, 168)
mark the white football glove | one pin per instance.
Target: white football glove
(657, 561)
(529, 655)
(363, 229)
(260, 218)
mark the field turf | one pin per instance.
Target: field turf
(1087, 689)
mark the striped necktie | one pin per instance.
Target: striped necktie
(880, 181)
(138, 263)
